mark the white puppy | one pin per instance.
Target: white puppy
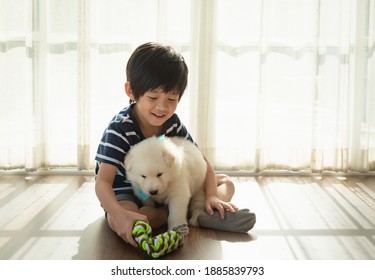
(170, 171)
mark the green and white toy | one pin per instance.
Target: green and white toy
(159, 245)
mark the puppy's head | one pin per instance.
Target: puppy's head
(151, 165)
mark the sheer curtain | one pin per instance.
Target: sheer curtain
(273, 84)
(293, 88)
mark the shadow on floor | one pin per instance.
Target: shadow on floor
(99, 242)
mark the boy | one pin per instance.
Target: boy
(156, 81)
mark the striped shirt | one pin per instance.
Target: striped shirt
(122, 133)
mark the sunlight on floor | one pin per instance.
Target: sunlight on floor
(45, 248)
(77, 212)
(23, 208)
(297, 218)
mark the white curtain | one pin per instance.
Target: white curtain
(273, 84)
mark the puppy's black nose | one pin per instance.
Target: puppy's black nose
(154, 192)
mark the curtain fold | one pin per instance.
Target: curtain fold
(273, 84)
(83, 86)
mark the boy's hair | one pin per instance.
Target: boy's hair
(154, 66)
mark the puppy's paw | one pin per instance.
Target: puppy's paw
(182, 229)
(194, 221)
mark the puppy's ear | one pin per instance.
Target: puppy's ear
(168, 157)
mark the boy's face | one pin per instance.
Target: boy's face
(155, 107)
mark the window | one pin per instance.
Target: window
(273, 85)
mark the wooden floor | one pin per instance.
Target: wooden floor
(58, 217)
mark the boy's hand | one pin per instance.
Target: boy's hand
(123, 223)
(213, 202)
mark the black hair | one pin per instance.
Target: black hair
(153, 66)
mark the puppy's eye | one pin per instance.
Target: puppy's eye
(143, 176)
(159, 174)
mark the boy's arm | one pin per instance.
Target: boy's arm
(122, 220)
(103, 187)
(212, 199)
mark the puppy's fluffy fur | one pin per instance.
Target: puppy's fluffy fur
(171, 171)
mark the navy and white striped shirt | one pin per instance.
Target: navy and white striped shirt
(122, 133)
